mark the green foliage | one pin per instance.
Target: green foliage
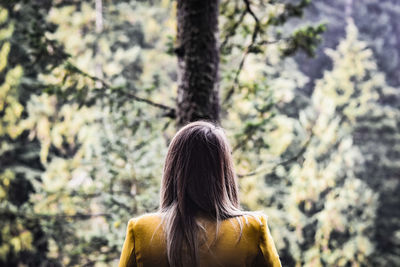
(306, 39)
(290, 10)
(98, 154)
(245, 26)
(22, 238)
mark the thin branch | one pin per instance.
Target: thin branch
(285, 161)
(170, 111)
(257, 21)
(248, 49)
(236, 79)
(97, 194)
(241, 64)
(120, 204)
(249, 134)
(233, 30)
(266, 42)
(257, 29)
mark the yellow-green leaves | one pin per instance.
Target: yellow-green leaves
(9, 104)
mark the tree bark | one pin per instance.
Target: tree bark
(198, 60)
(99, 30)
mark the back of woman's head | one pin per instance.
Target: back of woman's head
(198, 172)
(198, 178)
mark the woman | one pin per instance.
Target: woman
(200, 222)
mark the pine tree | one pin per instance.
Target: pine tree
(339, 198)
(331, 196)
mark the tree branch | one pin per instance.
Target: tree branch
(233, 30)
(249, 134)
(285, 161)
(256, 30)
(257, 21)
(120, 204)
(170, 112)
(249, 49)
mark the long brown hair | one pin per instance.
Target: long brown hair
(198, 177)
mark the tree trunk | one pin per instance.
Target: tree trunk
(349, 9)
(198, 60)
(99, 30)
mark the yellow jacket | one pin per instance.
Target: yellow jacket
(145, 244)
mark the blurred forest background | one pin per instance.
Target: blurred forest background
(310, 101)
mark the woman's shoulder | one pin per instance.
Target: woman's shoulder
(256, 218)
(145, 220)
(253, 221)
